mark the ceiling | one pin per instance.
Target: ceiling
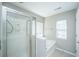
(46, 9)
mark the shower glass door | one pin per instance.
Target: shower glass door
(18, 35)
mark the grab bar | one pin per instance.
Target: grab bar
(11, 26)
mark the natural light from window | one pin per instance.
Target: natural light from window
(61, 29)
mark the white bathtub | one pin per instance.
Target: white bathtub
(44, 47)
(49, 44)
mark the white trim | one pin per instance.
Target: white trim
(66, 51)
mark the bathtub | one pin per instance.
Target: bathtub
(44, 47)
(50, 46)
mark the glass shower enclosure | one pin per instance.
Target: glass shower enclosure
(19, 34)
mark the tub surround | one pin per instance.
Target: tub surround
(44, 47)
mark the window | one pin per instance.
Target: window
(61, 29)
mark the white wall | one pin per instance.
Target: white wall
(50, 29)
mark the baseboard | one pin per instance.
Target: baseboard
(66, 51)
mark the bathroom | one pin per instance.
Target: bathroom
(39, 29)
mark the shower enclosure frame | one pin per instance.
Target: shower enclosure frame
(3, 26)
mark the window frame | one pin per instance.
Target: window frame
(60, 30)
